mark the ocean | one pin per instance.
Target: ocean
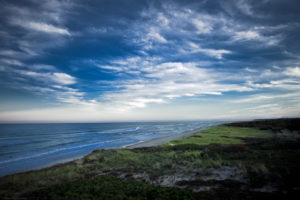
(34, 146)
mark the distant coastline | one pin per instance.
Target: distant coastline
(165, 139)
(42, 145)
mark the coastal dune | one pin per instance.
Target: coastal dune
(246, 160)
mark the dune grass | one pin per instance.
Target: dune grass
(110, 188)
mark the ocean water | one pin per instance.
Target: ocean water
(34, 146)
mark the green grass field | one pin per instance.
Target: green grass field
(222, 135)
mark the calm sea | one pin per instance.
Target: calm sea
(33, 146)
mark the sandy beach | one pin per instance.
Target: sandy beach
(163, 140)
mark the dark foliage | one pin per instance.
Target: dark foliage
(292, 124)
(110, 188)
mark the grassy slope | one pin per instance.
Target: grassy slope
(223, 162)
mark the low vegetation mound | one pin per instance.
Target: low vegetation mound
(230, 161)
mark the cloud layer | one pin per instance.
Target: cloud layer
(194, 59)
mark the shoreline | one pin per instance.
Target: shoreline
(148, 143)
(162, 140)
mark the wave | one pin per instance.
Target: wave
(57, 150)
(121, 131)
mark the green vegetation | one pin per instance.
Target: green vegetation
(108, 187)
(223, 162)
(221, 135)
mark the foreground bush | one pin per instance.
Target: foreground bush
(110, 188)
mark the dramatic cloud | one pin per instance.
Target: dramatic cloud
(247, 35)
(292, 71)
(63, 78)
(218, 53)
(47, 28)
(149, 60)
(202, 27)
(153, 34)
(162, 82)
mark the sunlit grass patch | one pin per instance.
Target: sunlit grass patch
(231, 131)
(221, 135)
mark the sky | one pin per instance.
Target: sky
(135, 60)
